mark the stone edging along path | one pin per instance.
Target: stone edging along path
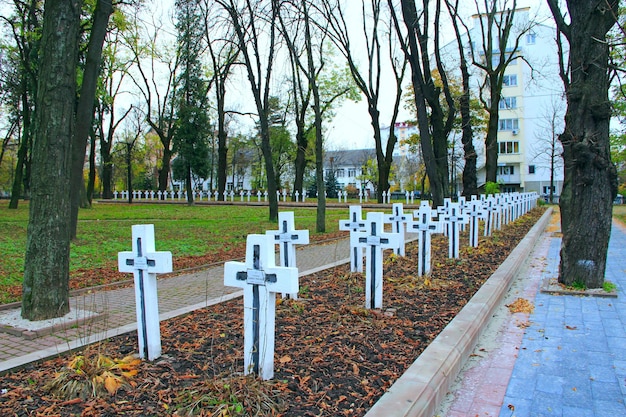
(424, 385)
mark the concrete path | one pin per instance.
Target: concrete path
(177, 295)
(567, 358)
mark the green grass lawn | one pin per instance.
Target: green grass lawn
(105, 230)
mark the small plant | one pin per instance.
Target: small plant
(492, 188)
(609, 286)
(93, 375)
(304, 290)
(579, 286)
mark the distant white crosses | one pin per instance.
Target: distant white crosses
(374, 240)
(260, 279)
(475, 211)
(425, 225)
(144, 262)
(398, 219)
(355, 224)
(287, 237)
(453, 217)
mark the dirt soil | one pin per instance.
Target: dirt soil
(333, 357)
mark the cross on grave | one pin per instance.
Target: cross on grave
(453, 217)
(287, 237)
(442, 210)
(474, 209)
(354, 225)
(145, 262)
(260, 279)
(398, 219)
(424, 224)
(374, 240)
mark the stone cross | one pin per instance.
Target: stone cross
(260, 279)
(145, 262)
(453, 217)
(425, 225)
(374, 240)
(287, 237)
(354, 224)
(398, 219)
(474, 209)
(297, 194)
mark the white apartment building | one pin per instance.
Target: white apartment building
(531, 109)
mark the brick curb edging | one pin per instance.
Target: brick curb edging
(420, 390)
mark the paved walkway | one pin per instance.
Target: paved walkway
(567, 358)
(177, 295)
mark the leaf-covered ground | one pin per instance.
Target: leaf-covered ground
(333, 357)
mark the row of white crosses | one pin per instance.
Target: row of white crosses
(261, 279)
(209, 195)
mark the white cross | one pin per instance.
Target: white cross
(474, 209)
(442, 210)
(287, 237)
(453, 217)
(425, 225)
(260, 279)
(354, 225)
(398, 219)
(145, 262)
(374, 240)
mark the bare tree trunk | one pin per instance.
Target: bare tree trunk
(590, 180)
(85, 107)
(45, 289)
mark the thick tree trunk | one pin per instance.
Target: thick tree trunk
(91, 181)
(85, 107)
(107, 168)
(491, 139)
(590, 182)
(164, 172)
(302, 144)
(45, 289)
(222, 153)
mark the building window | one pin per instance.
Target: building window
(351, 172)
(531, 38)
(509, 80)
(531, 169)
(508, 103)
(546, 189)
(340, 173)
(508, 124)
(509, 147)
(506, 170)
(328, 172)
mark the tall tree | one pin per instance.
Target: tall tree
(85, 104)
(316, 87)
(548, 152)
(25, 27)
(156, 77)
(191, 139)
(470, 180)
(256, 24)
(107, 120)
(434, 123)
(45, 289)
(223, 53)
(500, 35)
(590, 182)
(380, 49)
